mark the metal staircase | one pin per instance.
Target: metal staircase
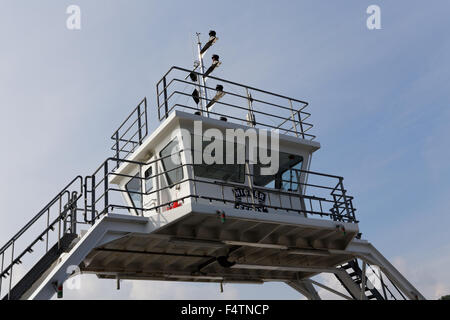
(59, 218)
(38, 250)
(40, 268)
(356, 274)
(371, 292)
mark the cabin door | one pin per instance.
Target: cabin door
(150, 186)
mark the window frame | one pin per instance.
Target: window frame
(278, 177)
(130, 195)
(171, 183)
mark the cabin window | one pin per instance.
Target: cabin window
(286, 178)
(222, 172)
(134, 189)
(148, 180)
(174, 172)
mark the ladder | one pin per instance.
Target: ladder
(355, 273)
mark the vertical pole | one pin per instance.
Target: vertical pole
(11, 271)
(73, 213)
(250, 184)
(166, 106)
(46, 234)
(251, 116)
(59, 221)
(117, 149)
(1, 272)
(106, 185)
(93, 199)
(347, 209)
(301, 124)
(294, 125)
(145, 117)
(157, 101)
(203, 80)
(158, 195)
(139, 123)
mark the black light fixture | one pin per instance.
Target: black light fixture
(220, 93)
(212, 39)
(224, 262)
(215, 64)
(196, 96)
(193, 76)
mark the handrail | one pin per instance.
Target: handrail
(139, 126)
(244, 108)
(342, 207)
(11, 248)
(231, 82)
(40, 214)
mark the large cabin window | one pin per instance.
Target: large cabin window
(134, 190)
(286, 178)
(174, 172)
(223, 172)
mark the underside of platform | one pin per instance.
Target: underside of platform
(245, 246)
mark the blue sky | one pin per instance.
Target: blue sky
(379, 102)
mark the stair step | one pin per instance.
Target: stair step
(40, 267)
(346, 266)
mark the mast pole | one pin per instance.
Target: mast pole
(203, 92)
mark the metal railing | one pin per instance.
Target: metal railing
(323, 195)
(132, 132)
(241, 103)
(57, 218)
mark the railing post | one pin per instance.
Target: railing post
(46, 234)
(1, 273)
(166, 105)
(301, 124)
(59, 221)
(106, 182)
(85, 198)
(11, 271)
(344, 196)
(73, 213)
(294, 125)
(247, 168)
(139, 123)
(93, 199)
(117, 149)
(145, 116)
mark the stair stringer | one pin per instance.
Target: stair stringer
(365, 251)
(108, 228)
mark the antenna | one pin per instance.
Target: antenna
(201, 94)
